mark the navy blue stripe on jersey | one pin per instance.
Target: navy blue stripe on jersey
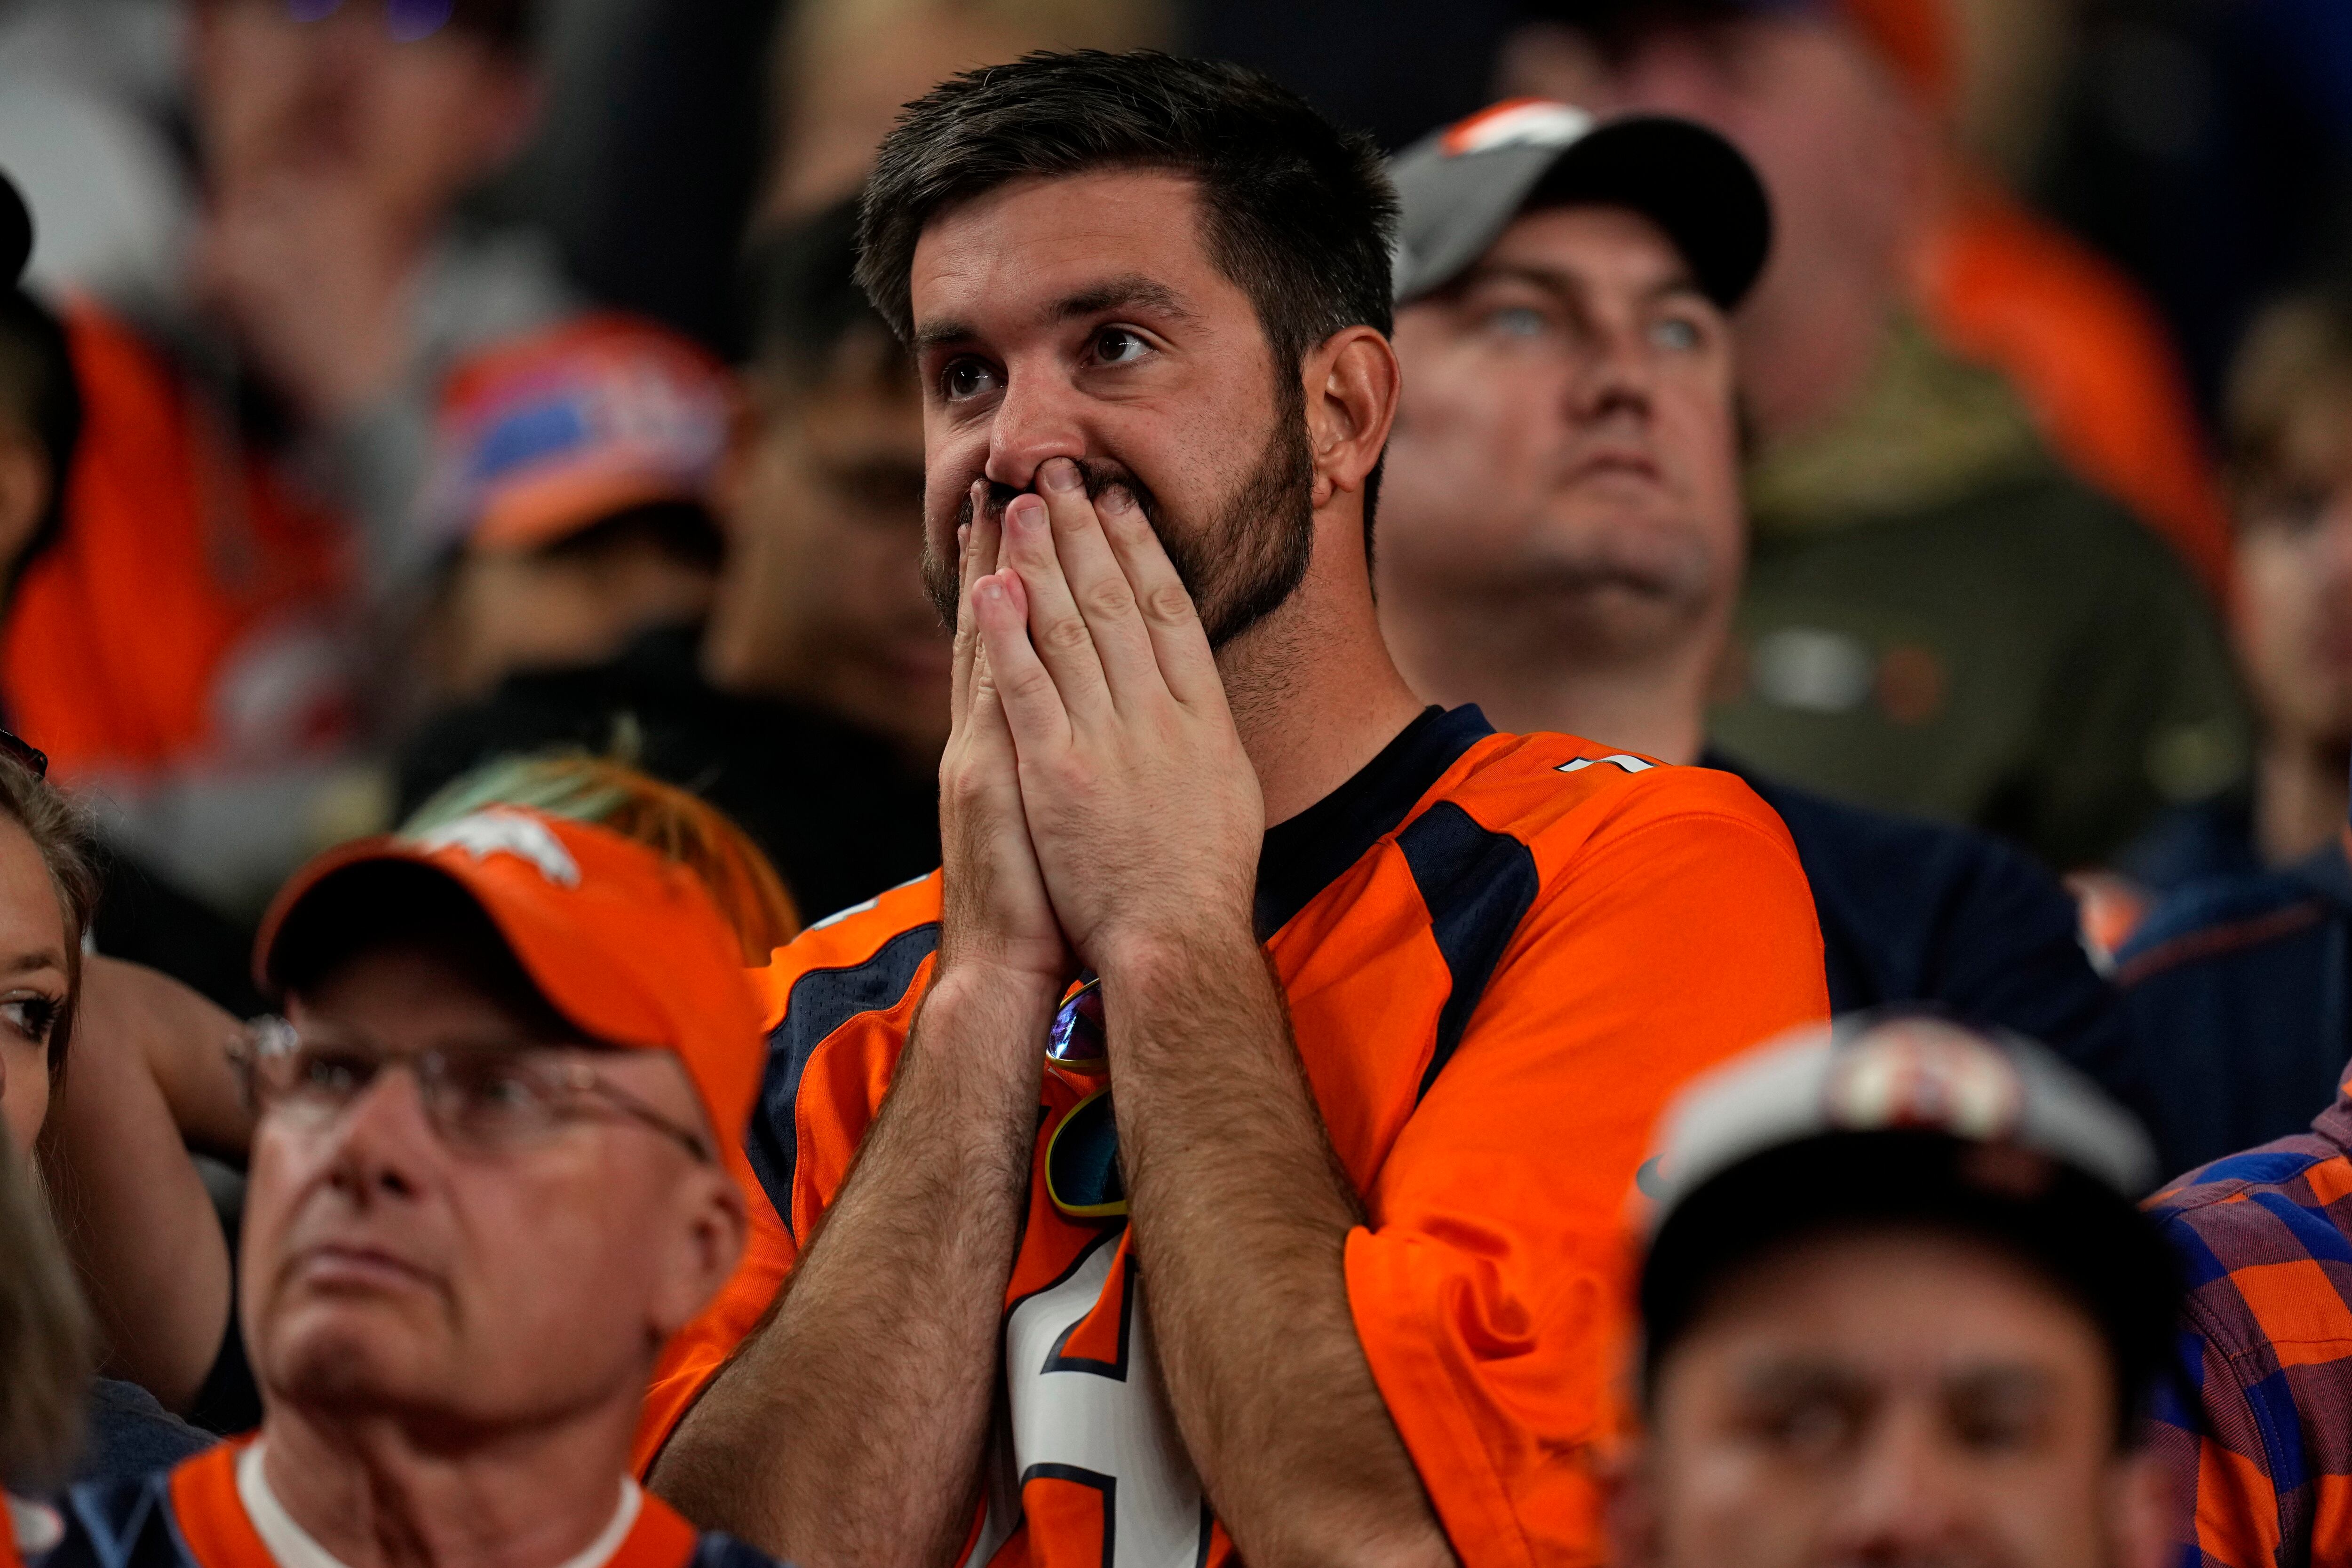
(1477, 885)
(1307, 853)
(716, 1549)
(820, 1001)
(121, 1524)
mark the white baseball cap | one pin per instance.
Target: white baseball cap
(1459, 188)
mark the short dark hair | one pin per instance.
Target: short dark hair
(2294, 361)
(1297, 212)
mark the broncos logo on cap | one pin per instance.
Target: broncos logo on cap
(1923, 1073)
(493, 832)
(1519, 122)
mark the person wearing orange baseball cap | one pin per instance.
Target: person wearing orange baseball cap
(569, 497)
(486, 1190)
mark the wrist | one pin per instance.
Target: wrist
(977, 1005)
(1151, 959)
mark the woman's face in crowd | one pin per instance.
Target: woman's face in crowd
(33, 951)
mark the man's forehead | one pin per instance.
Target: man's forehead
(1014, 253)
(1592, 243)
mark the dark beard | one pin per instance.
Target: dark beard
(1240, 569)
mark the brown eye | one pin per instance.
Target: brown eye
(31, 1017)
(965, 379)
(1117, 346)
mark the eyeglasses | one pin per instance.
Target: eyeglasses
(405, 20)
(480, 1100)
(22, 750)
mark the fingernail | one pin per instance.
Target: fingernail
(988, 588)
(1116, 499)
(1060, 473)
(1026, 511)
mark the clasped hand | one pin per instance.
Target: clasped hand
(1092, 741)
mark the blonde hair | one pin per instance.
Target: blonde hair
(46, 1344)
(680, 824)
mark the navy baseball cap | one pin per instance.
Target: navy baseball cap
(1459, 188)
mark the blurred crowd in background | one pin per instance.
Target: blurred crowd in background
(452, 372)
(396, 388)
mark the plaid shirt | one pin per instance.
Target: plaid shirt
(2262, 1418)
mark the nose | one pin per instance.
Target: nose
(1037, 418)
(1611, 374)
(1907, 1493)
(383, 1141)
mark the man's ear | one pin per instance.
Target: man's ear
(1351, 384)
(706, 1243)
(2151, 1509)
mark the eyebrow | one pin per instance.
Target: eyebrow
(25, 963)
(1118, 293)
(1681, 281)
(939, 334)
(2001, 1380)
(1124, 292)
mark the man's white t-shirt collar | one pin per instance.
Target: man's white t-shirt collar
(294, 1547)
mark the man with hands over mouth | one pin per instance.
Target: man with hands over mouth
(1221, 1157)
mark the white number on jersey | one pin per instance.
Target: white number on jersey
(1095, 1423)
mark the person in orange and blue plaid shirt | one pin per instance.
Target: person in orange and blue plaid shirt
(2263, 1419)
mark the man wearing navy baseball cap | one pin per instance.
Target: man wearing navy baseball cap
(1897, 1307)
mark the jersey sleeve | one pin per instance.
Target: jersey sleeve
(1489, 1289)
(840, 998)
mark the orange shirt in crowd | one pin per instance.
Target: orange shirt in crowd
(2000, 284)
(2089, 357)
(1502, 955)
(180, 612)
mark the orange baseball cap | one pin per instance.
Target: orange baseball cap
(544, 435)
(626, 945)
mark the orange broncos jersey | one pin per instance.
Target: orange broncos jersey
(1502, 954)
